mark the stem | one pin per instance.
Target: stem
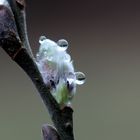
(14, 40)
(18, 9)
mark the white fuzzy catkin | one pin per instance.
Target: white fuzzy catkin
(56, 67)
(4, 2)
(53, 61)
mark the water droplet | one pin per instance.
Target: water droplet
(62, 44)
(80, 78)
(42, 38)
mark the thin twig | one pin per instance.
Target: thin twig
(18, 9)
(13, 39)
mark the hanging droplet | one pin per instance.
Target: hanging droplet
(42, 38)
(62, 44)
(80, 78)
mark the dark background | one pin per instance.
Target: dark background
(104, 37)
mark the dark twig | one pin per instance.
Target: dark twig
(18, 9)
(13, 39)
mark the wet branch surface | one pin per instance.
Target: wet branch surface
(14, 40)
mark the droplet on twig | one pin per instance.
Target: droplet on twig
(80, 78)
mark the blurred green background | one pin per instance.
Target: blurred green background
(104, 37)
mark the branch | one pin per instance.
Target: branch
(14, 40)
(18, 9)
